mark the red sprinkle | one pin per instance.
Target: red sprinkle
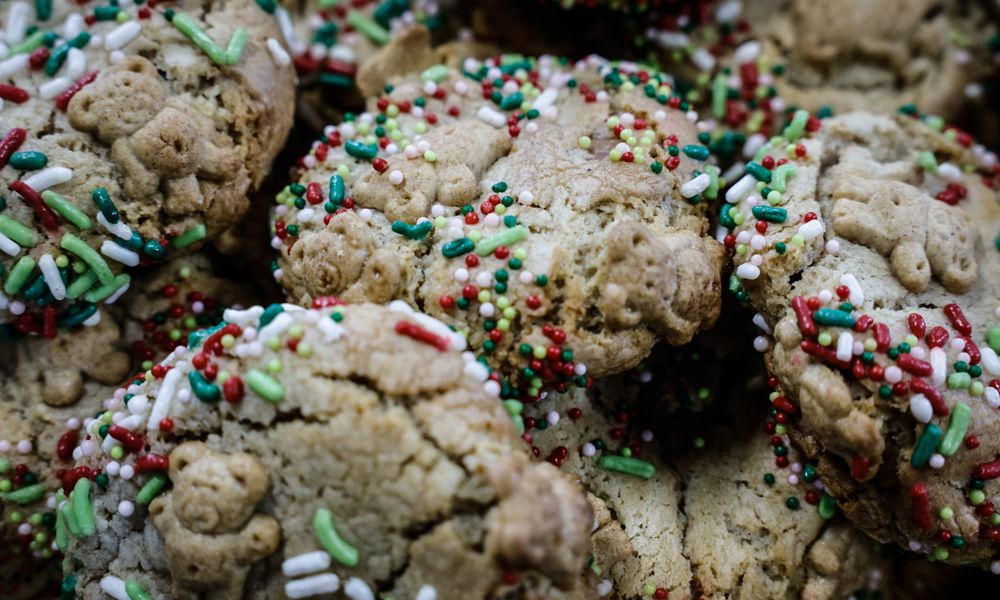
(232, 389)
(13, 93)
(62, 100)
(989, 470)
(957, 318)
(66, 445)
(973, 350)
(859, 467)
(937, 337)
(914, 365)
(917, 324)
(933, 395)
(422, 335)
(806, 324)
(863, 323)
(11, 141)
(129, 440)
(314, 194)
(921, 505)
(49, 324)
(152, 463)
(44, 213)
(882, 337)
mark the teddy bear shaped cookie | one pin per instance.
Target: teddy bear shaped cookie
(208, 522)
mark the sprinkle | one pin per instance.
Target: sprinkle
(920, 408)
(66, 210)
(695, 186)
(110, 291)
(759, 172)
(458, 247)
(957, 319)
(53, 279)
(375, 33)
(797, 126)
(10, 247)
(491, 117)
(413, 232)
(71, 243)
(303, 564)
(771, 214)
(28, 161)
(422, 335)
(327, 583)
(437, 74)
(11, 141)
(44, 213)
(627, 465)
(135, 591)
(63, 99)
(505, 238)
(18, 275)
(957, 426)
(780, 175)
(748, 271)
(18, 232)
(120, 36)
(151, 489)
(265, 386)
(811, 230)
(47, 178)
(925, 446)
(361, 150)
(355, 589)
(82, 509)
(161, 406)
(921, 505)
(194, 234)
(339, 549)
(189, 27)
(202, 388)
(26, 495)
(58, 55)
(119, 253)
(114, 587)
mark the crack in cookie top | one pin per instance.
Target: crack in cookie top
(128, 132)
(552, 213)
(268, 434)
(868, 243)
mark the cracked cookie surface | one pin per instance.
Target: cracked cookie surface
(368, 438)
(554, 214)
(876, 266)
(127, 137)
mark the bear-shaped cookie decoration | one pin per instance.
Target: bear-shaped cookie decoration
(162, 145)
(208, 521)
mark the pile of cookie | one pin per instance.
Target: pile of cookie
(433, 300)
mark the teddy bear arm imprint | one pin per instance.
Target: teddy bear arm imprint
(951, 245)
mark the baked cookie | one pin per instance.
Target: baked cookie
(725, 508)
(878, 56)
(128, 134)
(309, 450)
(553, 214)
(868, 243)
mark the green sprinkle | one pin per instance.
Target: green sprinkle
(336, 189)
(833, 317)
(194, 234)
(105, 205)
(30, 43)
(413, 232)
(103, 292)
(71, 243)
(203, 389)
(338, 547)
(66, 210)
(927, 161)
(336, 80)
(270, 313)
(796, 128)
(268, 6)
(458, 247)
(230, 56)
(759, 172)
(43, 9)
(361, 150)
(265, 386)
(959, 381)
(926, 445)
(58, 56)
(135, 591)
(17, 231)
(82, 509)
(81, 284)
(780, 176)
(627, 465)
(18, 275)
(504, 238)
(771, 214)
(957, 426)
(437, 73)
(28, 161)
(827, 506)
(76, 315)
(62, 531)
(696, 152)
(70, 518)
(25, 495)
(719, 93)
(511, 102)
(151, 489)
(375, 33)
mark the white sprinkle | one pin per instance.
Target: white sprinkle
(492, 388)
(427, 592)
(604, 587)
(491, 117)
(138, 404)
(487, 309)
(358, 590)
(13, 65)
(812, 229)
(696, 186)
(747, 52)
(893, 374)
(833, 247)
(741, 189)
(729, 11)
(327, 583)
(992, 396)
(120, 230)
(165, 396)
(914, 545)
(303, 564)
(119, 292)
(672, 40)
(24, 446)
(461, 275)
(331, 331)
(484, 279)
(920, 408)
(747, 271)
(545, 99)
(278, 53)
(845, 346)
(47, 265)
(936, 461)
(242, 317)
(114, 587)
(761, 343)
(758, 320)
(126, 508)
(275, 328)
(989, 360)
(395, 177)
(476, 370)
(76, 63)
(857, 295)
(995, 567)
(47, 178)
(119, 253)
(939, 366)
(17, 22)
(52, 88)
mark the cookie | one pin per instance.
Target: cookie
(879, 56)
(707, 514)
(558, 225)
(129, 134)
(300, 451)
(873, 261)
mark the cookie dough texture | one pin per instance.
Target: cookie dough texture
(908, 230)
(421, 469)
(176, 140)
(705, 525)
(624, 256)
(877, 56)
